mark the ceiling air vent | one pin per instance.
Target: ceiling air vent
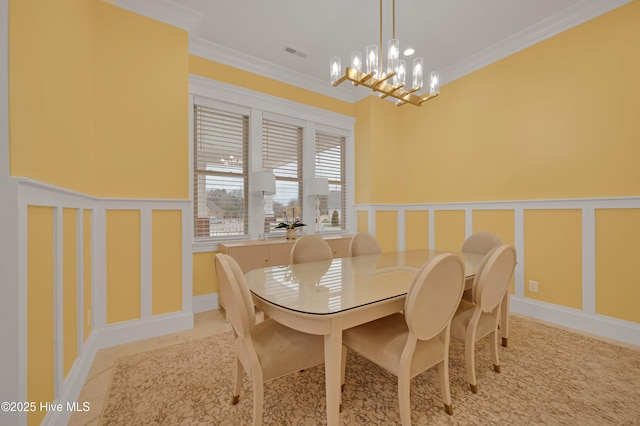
(295, 52)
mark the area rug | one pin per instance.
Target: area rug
(550, 376)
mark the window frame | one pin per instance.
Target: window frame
(218, 108)
(260, 105)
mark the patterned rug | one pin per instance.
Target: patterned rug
(549, 376)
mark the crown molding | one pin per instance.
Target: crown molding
(165, 11)
(568, 18)
(217, 53)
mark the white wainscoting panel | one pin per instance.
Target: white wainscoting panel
(586, 319)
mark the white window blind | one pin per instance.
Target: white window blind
(282, 155)
(220, 186)
(330, 164)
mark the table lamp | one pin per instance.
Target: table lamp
(263, 183)
(317, 187)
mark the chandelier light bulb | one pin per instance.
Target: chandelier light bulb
(418, 74)
(393, 55)
(372, 59)
(400, 77)
(335, 68)
(356, 61)
(434, 84)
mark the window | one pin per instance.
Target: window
(282, 156)
(236, 132)
(220, 173)
(330, 164)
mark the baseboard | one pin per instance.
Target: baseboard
(132, 331)
(111, 335)
(600, 325)
(73, 384)
(205, 302)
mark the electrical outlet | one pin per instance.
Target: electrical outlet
(533, 286)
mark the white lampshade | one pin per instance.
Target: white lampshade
(318, 186)
(263, 182)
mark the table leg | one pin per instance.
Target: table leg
(332, 366)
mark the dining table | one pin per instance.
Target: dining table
(327, 297)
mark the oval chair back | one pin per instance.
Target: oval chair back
(238, 301)
(434, 296)
(493, 276)
(364, 243)
(480, 243)
(310, 248)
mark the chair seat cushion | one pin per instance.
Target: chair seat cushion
(462, 317)
(383, 340)
(282, 350)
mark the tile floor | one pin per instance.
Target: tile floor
(96, 385)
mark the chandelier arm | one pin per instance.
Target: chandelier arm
(427, 97)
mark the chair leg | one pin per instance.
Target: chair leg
(443, 370)
(238, 384)
(493, 346)
(343, 367)
(504, 319)
(469, 351)
(258, 400)
(404, 383)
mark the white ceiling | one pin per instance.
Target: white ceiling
(454, 37)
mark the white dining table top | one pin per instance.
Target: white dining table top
(341, 284)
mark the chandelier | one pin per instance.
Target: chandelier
(392, 83)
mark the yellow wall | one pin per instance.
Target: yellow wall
(387, 230)
(166, 262)
(142, 119)
(556, 120)
(553, 256)
(204, 276)
(107, 88)
(362, 219)
(416, 230)
(226, 74)
(52, 91)
(449, 230)
(123, 265)
(39, 308)
(617, 236)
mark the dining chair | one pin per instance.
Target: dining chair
(410, 343)
(482, 243)
(310, 248)
(264, 350)
(364, 243)
(474, 320)
(478, 243)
